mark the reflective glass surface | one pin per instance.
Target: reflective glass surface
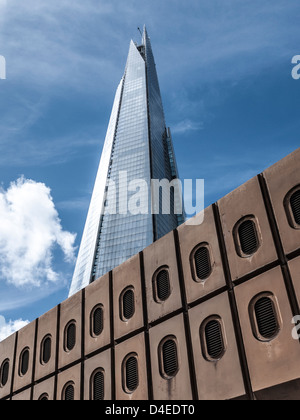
(137, 147)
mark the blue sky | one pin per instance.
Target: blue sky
(225, 74)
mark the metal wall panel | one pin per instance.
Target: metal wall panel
(134, 347)
(97, 296)
(100, 362)
(126, 276)
(70, 376)
(7, 348)
(276, 360)
(162, 254)
(192, 236)
(47, 327)
(44, 389)
(219, 379)
(70, 312)
(281, 179)
(26, 338)
(179, 386)
(295, 273)
(246, 201)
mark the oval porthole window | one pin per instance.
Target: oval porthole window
(97, 322)
(46, 349)
(292, 207)
(68, 393)
(212, 339)
(44, 397)
(246, 237)
(161, 285)
(24, 362)
(130, 373)
(265, 318)
(97, 385)
(168, 357)
(201, 263)
(70, 336)
(4, 373)
(127, 304)
(295, 205)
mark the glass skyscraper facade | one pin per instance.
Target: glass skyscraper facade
(138, 146)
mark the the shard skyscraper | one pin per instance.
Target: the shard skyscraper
(138, 146)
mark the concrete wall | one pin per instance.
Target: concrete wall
(220, 328)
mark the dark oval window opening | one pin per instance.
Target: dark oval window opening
(162, 285)
(46, 350)
(97, 321)
(44, 397)
(98, 386)
(70, 337)
(248, 237)
(169, 358)
(127, 304)
(4, 373)
(266, 317)
(69, 393)
(202, 263)
(214, 339)
(295, 205)
(24, 362)
(131, 373)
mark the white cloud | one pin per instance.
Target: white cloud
(187, 125)
(8, 328)
(30, 229)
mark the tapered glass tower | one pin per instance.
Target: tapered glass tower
(137, 149)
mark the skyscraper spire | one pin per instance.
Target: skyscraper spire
(137, 147)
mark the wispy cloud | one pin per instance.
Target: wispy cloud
(8, 328)
(29, 230)
(187, 125)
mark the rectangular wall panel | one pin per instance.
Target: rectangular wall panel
(272, 353)
(70, 313)
(246, 230)
(127, 297)
(283, 180)
(176, 386)
(200, 255)
(99, 363)
(47, 329)
(219, 377)
(131, 375)
(161, 256)
(97, 315)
